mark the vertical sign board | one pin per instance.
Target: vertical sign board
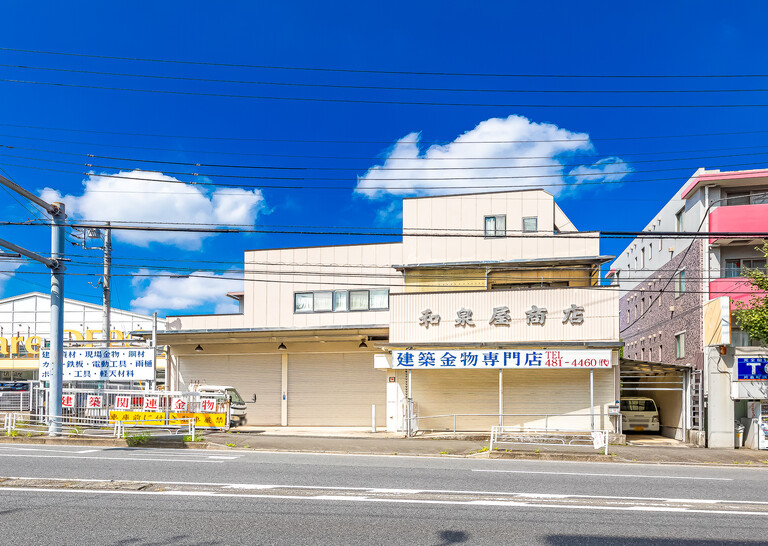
(102, 364)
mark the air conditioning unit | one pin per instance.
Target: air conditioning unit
(671, 308)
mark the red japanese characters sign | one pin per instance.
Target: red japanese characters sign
(123, 402)
(94, 401)
(68, 401)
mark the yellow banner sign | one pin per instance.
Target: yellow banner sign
(213, 420)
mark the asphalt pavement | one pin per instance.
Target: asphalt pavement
(61, 494)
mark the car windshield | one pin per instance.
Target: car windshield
(638, 405)
(235, 396)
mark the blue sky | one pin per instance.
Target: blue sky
(457, 37)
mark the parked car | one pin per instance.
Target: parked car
(237, 407)
(639, 414)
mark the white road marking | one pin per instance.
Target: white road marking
(225, 457)
(254, 486)
(340, 498)
(48, 450)
(602, 475)
(104, 458)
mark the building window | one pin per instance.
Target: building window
(680, 220)
(680, 345)
(735, 267)
(650, 252)
(530, 224)
(642, 258)
(496, 226)
(379, 299)
(323, 302)
(661, 351)
(341, 300)
(642, 305)
(303, 302)
(738, 198)
(680, 284)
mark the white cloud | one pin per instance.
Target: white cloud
(610, 169)
(8, 266)
(160, 198)
(160, 291)
(461, 167)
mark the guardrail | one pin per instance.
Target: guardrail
(566, 437)
(89, 427)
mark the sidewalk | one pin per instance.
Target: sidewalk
(362, 441)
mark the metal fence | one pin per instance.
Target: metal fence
(110, 405)
(598, 439)
(15, 401)
(15, 424)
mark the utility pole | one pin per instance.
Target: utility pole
(106, 285)
(56, 265)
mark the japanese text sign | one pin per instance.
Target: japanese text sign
(151, 403)
(123, 402)
(503, 359)
(94, 401)
(178, 404)
(208, 405)
(68, 401)
(752, 368)
(100, 364)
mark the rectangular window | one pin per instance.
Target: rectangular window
(642, 306)
(323, 302)
(340, 300)
(358, 300)
(680, 284)
(732, 268)
(642, 258)
(650, 252)
(680, 345)
(530, 224)
(495, 226)
(759, 197)
(737, 198)
(303, 302)
(380, 299)
(680, 220)
(661, 350)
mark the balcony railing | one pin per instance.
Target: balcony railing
(732, 272)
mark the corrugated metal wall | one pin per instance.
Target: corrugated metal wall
(335, 389)
(259, 375)
(441, 392)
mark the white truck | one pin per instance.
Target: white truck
(237, 407)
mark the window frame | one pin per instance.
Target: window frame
(536, 221)
(334, 293)
(679, 281)
(497, 233)
(680, 344)
(680, 220)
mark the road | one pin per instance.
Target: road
(55, 494)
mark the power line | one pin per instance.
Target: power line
(378, 71)
(357, 169)
(374, 87)
(376, 101)
(588, 139)
(368, 157)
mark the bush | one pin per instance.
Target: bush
(137, 440)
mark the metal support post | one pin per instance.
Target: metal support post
(154, 354)
(592, 398)
(106, 286)
(57, 321)
(501, 400)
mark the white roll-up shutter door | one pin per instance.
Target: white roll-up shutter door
(251, 375)
(448, 392)
(562, 395)
(335, 389)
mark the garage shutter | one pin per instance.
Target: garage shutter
(555, 392)
(335, 389)
(259, 375)
(445, 392)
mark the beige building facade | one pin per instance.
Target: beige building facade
(350, 335)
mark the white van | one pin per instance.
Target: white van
(639, 414)
(237, 407)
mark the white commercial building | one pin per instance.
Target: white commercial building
(488, 310)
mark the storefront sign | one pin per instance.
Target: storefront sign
(510, 359)
(502, 316)
(752, 368)
(94, 364)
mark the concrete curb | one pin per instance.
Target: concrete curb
(54, 440)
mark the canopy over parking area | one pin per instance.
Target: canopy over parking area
(674, 388)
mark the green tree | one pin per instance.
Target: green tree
(752, 315)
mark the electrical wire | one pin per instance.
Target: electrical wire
(376, 71)
(377, 101)
(371, 87)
